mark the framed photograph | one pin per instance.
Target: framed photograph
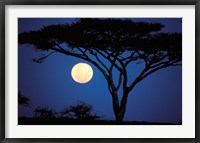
(122, 71)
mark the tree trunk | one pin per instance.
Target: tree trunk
(119, 109)
(115, 105)
(119, 118)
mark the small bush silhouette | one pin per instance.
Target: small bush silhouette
(80, 111)
(44, 112)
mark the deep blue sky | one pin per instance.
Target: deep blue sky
(158, 98)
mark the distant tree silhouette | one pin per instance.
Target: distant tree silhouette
(119, 42)
(80, 111)
(44, 112)
(23, 100)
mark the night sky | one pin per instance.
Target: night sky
(158, 98)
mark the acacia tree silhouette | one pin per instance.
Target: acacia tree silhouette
(80, 111)
(119, 42)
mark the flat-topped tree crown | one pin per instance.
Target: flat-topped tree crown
(92, 33)
(109, 35)
(119, 41)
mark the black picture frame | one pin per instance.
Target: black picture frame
(3, 4)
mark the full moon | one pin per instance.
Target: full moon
(82, 73)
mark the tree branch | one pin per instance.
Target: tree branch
(85, 57)
(109, 59)
(41, 59)
(146, 71)
(139, 78)
(166, 64)
(119, 81)
(96, 56)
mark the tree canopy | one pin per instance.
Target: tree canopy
(125, 39)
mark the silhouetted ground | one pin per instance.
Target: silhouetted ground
(64, 121)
